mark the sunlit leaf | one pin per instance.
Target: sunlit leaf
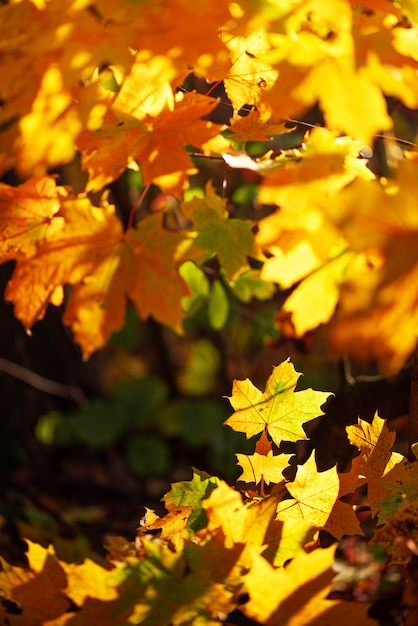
(279, 410)
(314, 495)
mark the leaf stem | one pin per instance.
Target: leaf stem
(137, 205)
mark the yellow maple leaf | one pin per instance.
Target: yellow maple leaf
(279, 410)
(314, 495)
(378, 220)
(322, 286)
(249, 76)
(39, 589)
(146, 90)
(241, 523)
(173, 525)
(346, 99)
(257, 467)
(375, 441)
(297, 593)
(285, 539)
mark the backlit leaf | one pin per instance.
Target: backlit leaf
(279, 410)
(374, 440)
(230, 239)
(297, 593)
(257, 467)
(314, 493)
(103, 265)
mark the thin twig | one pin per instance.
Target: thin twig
(40, 382)
(361, 378)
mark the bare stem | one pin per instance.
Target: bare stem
(39, 382)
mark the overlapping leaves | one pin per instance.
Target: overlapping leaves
(213, 546)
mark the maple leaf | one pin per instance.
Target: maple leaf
(49, 131)
(249, 75)
(103, 265)
(297, 593)
(343, 520)
(279, 410)
(346, 99)
(46, 588)
(167, 588)
(254, 127)
(314, 494)
(167, 32)
(28, 216)
(146, 90)
(156, 143)
(285, 539)
(173, 526)
(376, 298)
(257, 467)
(191, 494)
(240, 523)
(375, 441)
(323, 286)
(230, 239)
(39, 589)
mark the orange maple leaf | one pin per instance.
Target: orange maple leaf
(104, 265)
(28, 216)
(155, 143)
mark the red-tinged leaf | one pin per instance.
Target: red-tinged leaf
(279, 410)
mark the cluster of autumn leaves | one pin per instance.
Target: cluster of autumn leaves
(99, 80)
(213, 547)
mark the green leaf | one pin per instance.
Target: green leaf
(198, 285)
(230, 239)
(196, 421)
(218, 307)
(147, 455)
(140, 398)
(191, 493)
(249, 285)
